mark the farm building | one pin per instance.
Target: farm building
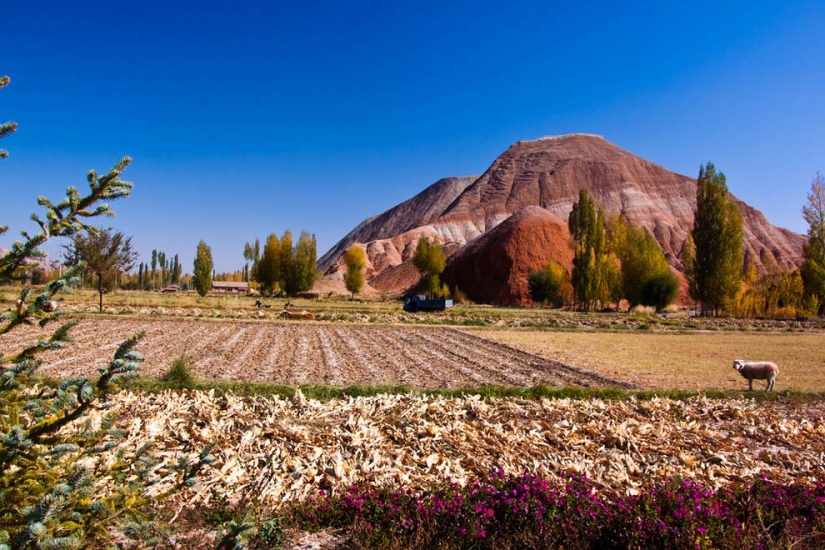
(228, 286)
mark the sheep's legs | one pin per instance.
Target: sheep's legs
(750, 384)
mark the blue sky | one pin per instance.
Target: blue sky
(248, 118)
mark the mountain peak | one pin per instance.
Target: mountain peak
(548, 173)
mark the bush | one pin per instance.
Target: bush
(543, 286)
(178, 375)
(660, 290)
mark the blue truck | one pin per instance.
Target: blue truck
(414, 304)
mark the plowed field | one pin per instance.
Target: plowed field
(290, 353)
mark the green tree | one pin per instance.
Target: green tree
(176, 269)
(717, 237)
(6, 128)
(154, 267)
(813, 267)
(306, 253)
(595, 274)
(49, 497)
(543, 286)
(642, 259)
(660, 290)
(249, 259)
(105, 255)
(429, 260)
(287, 263)
(355, 259)
(202, 273)
(268, 270)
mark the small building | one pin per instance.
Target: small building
(170, 288)
(229, 286)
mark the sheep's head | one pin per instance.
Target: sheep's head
(738, 364)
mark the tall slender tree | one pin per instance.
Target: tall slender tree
(306, 252)
(287, 263)
(595, 276)
(268, 270)
(355, 259)
(203, 268)
(154, 268)
(717, 238)
(813, 267)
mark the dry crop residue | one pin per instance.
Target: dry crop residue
(279, 450)
(290, 353)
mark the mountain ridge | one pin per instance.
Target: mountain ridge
(548, 173)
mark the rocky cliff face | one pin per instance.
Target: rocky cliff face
(548, 173)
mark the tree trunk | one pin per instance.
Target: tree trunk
(100, 291)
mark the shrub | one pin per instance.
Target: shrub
(660, 290)
(178, 375)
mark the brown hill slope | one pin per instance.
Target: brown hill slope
(548, 173)
(493, 269)
(415, 212)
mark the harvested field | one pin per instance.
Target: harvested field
(284, 450)
(292, 353)
(689, 360)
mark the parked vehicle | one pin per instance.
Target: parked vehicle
(418, 303)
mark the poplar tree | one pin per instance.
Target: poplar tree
(268, 270)
(813, 267)
(176, 270)
(154, 267)
(202, 273)
(304, 272)
(595, 276)
(286, 263)
(429, 260)
(355, 259)
(716, 272)
(163, 268)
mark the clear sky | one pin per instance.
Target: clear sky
(246, 118)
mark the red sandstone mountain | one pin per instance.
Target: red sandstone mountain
(546, 173)
(494, 267)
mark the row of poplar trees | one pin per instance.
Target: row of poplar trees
(282, 266)
(614, 260)
(162, 271)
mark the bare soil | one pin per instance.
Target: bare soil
(297, 353)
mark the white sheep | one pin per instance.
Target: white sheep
(758, 370)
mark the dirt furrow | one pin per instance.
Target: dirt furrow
(273, 367)
(409, 368)
(367, 365)
(458, 374)
(210, 362)
(333, 371)
(570, 374)
(238, 358)
(441, 344)
(502, 366)
(301, 369)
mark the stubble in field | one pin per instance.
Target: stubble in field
(691, 361)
